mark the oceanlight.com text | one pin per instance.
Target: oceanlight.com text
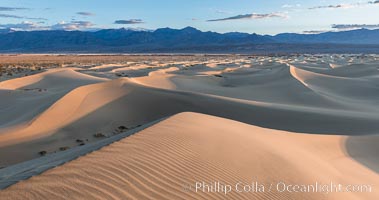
(281, 187)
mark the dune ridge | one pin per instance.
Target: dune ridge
(268, 96)
(23, 99)
(104, 106)
(64, 78)
(191, 147)
(298, 119)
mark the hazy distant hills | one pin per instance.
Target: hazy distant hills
(360, 36)
(187, 40)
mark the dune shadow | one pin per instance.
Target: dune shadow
(365, 150)
(140, 105)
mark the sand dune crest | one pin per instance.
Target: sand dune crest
(189, 148)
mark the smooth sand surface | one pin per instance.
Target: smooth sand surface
(187, 148)
(327, 103)
(26, 97)
(102, 107)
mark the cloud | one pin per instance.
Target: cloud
(252, 16)
(21, 17)
(9, 9)
(85, 13)
(354, 26)
(33, 26)
(347, 5)
(10, 16)
(12, 9)
(344, 27)
(129, 21)
(334, 6)
(25, 26)
(73, 25)
(314, 32)
(291, 6)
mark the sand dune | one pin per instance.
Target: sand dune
(296, 119)
(342, 88)
(137, 70)
(276, 84)
(65, 78)
(350, 70)
(107, 67)
(69, 109)
(190, 148)
(105, 106)
(25, 98)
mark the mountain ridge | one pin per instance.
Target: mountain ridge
(188, 39)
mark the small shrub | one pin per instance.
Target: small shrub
(122, 128)
(64, 148)
(79, 141)
(42, 153)
(99, 135)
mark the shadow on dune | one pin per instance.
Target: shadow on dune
(365, 150)
(144, 104)
(140, 104)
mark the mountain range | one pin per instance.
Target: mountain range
(187, 40)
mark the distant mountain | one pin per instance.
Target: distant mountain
(7, 30)
(167, 40)
(360, 36)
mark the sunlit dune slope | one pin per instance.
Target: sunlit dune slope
(158, 162)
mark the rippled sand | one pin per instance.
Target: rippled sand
(298, 119)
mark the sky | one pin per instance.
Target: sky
(251, 16)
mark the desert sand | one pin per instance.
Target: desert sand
(295, 119)
(158, 162)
